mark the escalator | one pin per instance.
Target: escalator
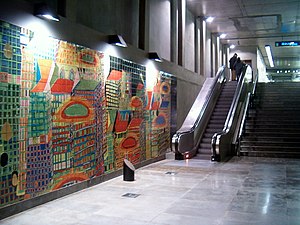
(217, 119)
(211, 128)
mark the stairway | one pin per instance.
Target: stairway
(217, 119)
(273, 126)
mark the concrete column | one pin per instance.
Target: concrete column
(227, 56)
(143, 38)
(181, 30)
(71, 6)
(174, 31)
(218, 54)
(224, 55)
(197, 45)
(208, 54)
(213, 55)
(202, 46)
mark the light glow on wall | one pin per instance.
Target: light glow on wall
(111, 50)
(152, 75)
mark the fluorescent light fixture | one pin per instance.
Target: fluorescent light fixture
(117, 40)
(43, 11)
(154, 56)
(223, 36)
(232, 46)
(209, 19)
(269, 54)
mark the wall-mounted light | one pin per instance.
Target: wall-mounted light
(43, 11)
(269, 54)
(154, 56)
(232, 46)
(209, 19)
(117, 40)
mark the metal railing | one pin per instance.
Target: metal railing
(247, 106)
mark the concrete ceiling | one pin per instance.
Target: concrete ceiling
(255, 23)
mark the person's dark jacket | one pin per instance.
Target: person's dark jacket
(232, 61)
(238, 66)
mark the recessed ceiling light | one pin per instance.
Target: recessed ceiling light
(223, 35)
(209, 19)
(269, 54)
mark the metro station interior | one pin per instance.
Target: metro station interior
(129, 112)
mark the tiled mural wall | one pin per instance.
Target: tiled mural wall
(63, 120)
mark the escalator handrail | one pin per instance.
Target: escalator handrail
(220, 77)
(254, 85)
(233, 107)
(245, 112)
(249, 96)
(241, 127)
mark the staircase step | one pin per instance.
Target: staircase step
(269, 144)
(271, 154)
(206, 140)
(208, 135)
(270, 134)
(271, 138)
(203, 156)
(205, 150)
(272, 130)
(220, 114)
(271, 148)
(253, 121)
(273, 126)
(205, 145)
(217, 126)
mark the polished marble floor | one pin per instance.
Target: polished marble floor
(245, 190)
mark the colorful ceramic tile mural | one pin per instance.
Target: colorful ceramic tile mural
(125, 91)
(63, 121)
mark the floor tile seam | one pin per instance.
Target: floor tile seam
(119, 218)
(184, 194)
(192, 217)
(166, 208)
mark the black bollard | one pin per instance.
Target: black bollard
(128, 171)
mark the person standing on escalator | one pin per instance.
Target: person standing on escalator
(238, 67)
(232, 62)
